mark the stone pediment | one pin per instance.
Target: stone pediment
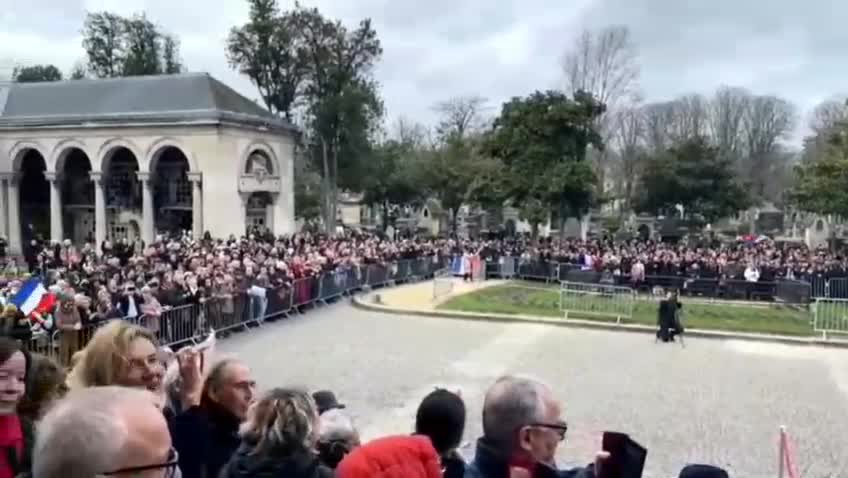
(257, 183)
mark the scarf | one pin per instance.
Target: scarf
(11, 445)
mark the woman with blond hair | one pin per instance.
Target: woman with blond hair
(279, 438)
(120, 353)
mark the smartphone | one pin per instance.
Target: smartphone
(627, 458)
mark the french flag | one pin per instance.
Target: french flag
(30, 295)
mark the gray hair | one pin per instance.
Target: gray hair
(84, 434)
(511, 403)
(337, 425)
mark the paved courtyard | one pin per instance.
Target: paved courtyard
(717, 402)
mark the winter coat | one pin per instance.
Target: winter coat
(300, 464)
(392, 457)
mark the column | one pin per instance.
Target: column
(55, 207)
(15, 244)
(4, 215)
(245, 197)
(196, 206)
(270, 209)
(99, 211)
(146, 208)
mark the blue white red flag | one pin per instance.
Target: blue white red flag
(30, 295)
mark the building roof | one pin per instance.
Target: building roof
(138, 99)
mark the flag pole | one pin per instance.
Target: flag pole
(782, 452)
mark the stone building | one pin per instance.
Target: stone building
(88, 160)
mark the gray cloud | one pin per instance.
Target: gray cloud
(437, 49)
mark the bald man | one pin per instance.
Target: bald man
(522, 428)
(104, 430)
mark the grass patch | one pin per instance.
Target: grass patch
(545, 301)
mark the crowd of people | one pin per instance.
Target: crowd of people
(90, 284)
(120, 411)
(754, 260)
(130, 280)
(120, 404)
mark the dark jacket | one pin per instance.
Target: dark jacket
(205, 438)
(302, 464)
(453, 465)
(17, 327)
(668, 320)
(489, 463)
(124, 304)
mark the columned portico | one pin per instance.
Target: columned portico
(99, 211)
(55, 207)
(146, 208)
(196, 205)
(193, 161)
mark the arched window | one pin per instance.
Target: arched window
(259, 164)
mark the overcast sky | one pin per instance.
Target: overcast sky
(436, 49)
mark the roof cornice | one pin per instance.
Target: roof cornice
(170, 118)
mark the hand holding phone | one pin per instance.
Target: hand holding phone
(626, 457)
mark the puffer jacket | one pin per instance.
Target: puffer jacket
(245, 464)
(392, 457)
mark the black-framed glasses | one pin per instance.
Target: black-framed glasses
(559, 428)
(169, 466)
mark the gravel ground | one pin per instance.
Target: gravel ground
(718, 402)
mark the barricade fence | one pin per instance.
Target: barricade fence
(599, 300)
(784, 290)
(443, 282)
(830, 317)
(223, 312)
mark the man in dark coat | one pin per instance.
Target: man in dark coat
(668, 318)
(205, 432)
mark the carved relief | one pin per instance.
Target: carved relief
(259, 175)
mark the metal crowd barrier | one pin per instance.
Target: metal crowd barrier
(830, 317)
(597, 300)
(708, 287)
(792, 291)
(443, 282)
(190, 324)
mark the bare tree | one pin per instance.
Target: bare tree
(828, 114)
(659, 125)
(828, 117)
(630, 128)
(691, 116)
(768, 120)
(460, 116)
(410, 132)
(728, 109)
(603, 63)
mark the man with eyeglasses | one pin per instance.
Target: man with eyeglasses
(105, 431)
(522, 428)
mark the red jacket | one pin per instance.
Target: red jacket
(392, 457)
